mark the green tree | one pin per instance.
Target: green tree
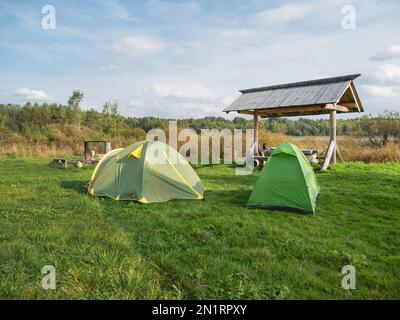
(92, 119)
(112, 120)
(74, 102)
(378, 131)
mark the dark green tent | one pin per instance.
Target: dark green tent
(287, 182)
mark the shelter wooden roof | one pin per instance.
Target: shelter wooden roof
(300, 98)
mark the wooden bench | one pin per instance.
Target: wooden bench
(79, 163)
(62, 161)
(311, 154)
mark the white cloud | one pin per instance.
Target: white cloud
(138, 45)
(390, 52)
(286, 13)
(382, 91)
(388, 72)
(108, 67)
(175, 101)
(115, 10)
(236, 34)
(167, 8)
(182, 91)
(172, 107)
(28, 94)
(313, 10)
(187, 48)
(224, 48)
(226, 101)
(387, 82)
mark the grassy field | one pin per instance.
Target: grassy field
(214, 248)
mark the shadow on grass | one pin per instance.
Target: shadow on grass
(238, 181)
(78, 186)
(232, 165)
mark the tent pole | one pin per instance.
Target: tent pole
(332, 121)
(255, 124)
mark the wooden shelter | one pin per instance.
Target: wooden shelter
(322, 96)
(86, 152)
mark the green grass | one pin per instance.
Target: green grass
(211, 249)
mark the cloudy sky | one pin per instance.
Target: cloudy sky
(189, 58)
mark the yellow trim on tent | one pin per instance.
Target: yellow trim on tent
(91, 191)
(199, 196)
(137, 153)
(143, 200)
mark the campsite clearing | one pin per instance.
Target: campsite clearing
(216, 248)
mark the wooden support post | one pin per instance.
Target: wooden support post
(328, 155)
(332, 135)
(107, 147)
(255, 124)
(87, 151)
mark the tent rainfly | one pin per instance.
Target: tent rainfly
(322, 96)
(147, 171)
(287, 182)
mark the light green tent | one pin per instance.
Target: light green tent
(147, 171)
(287, 182)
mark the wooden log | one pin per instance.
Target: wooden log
(255, 124)
(282, 111)
(297, 110)
(62, 161)
(313, 158)
(87, 151)
(356, 97)
(336, 107)
(350, 105)
(328, 155)
(107, 147)
(309, 152)
(332, 121)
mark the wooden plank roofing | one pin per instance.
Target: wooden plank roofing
(300, 98)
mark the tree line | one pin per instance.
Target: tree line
(34, 119)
